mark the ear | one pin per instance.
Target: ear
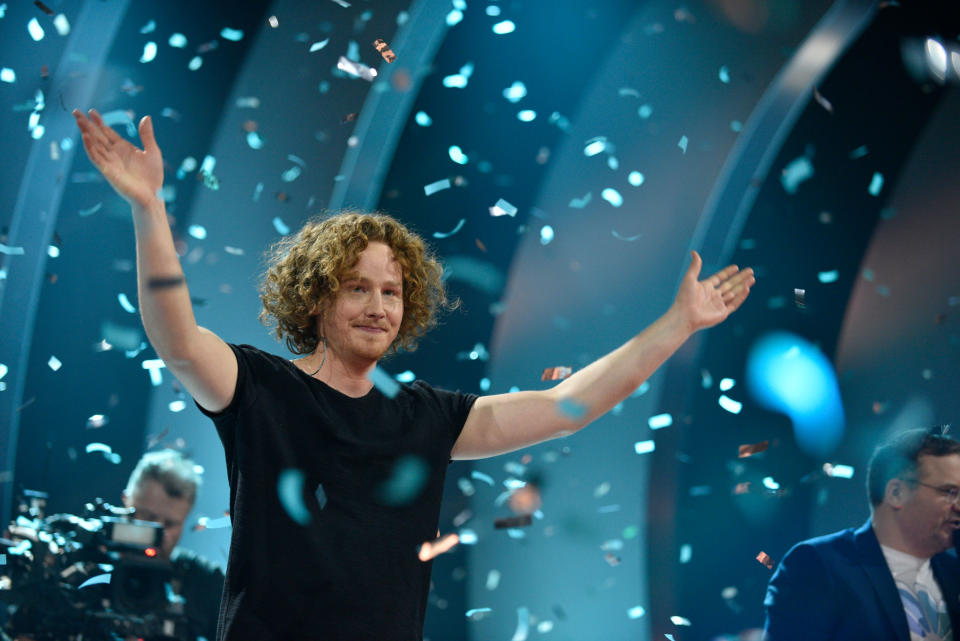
(895, 494)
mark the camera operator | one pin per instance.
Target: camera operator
(163, 489)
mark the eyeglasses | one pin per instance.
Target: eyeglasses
(951, 492)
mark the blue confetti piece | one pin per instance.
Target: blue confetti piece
(660, 421)
(515, 92)
(629, 239)
(686, 553)
(195, 63)
(635, 178)
(571, 408)
(290, 491)
(480, 476)
(478, 613)
(799, 170)
(644, 111)
(254, 140)
(125, 303)
(729, 404)
(317, 46)
(434, 187)
(280, 226)
(770, 484)
(527, 115)
(859, 152)
(612, 196)
(595, 146)
(149, 52)
(454, 17)
(423, 119)
(35, 30)
(504, 27)
(736, 126)
(838, 471)
(448, 234)
(503, 208)
(406, 481)
(644, 447)
(321, 496)
(828, 277)
(468, 537)
(406, 377)
(683, 144)
(457, 155)
(100, 579)
(546, 234)
(724, 75)
(91, 210)
(636, 612)
(726, 384)
(876, 184)
(8, 75)
(234, 35)
(580, 203)
(384, 382)
(197, 231)
(3, 559)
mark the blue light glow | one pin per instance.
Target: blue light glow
(788, 374)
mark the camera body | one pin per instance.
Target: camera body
(94, 577)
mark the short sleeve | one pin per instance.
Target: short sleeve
(452, 407)
(245, 392)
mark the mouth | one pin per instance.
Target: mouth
(372, 329)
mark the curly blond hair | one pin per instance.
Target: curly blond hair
(304, 271)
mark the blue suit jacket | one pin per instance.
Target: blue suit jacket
(840, 587)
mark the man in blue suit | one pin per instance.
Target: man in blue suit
(895, 578)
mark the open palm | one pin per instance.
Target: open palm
(704, 303)
(136, 174)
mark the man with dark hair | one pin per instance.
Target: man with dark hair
(163, 489)
(897, 576)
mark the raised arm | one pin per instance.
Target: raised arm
(201, 361)
(505, 422)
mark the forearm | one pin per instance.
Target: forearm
(165, 307)
(610, 379)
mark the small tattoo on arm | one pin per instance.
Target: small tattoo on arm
(166, 283)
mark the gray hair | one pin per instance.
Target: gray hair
(176, 473)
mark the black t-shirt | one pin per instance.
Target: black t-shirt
(352, 571)
(200, 583)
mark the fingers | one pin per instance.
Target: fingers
(108, 132)
(696, 263)
(146, 134)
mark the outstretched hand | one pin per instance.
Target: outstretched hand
(705, 303)
(136, 174)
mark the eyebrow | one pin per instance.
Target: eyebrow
(356, 276)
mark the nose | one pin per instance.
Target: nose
(375, 306)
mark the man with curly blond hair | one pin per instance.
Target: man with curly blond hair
(335, 484)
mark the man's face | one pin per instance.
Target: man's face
(152, 503)
(928, 517)
(364, 318)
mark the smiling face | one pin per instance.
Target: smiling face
(927, 517)
(365, 316)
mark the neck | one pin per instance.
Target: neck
(889, 533)
(350, 377)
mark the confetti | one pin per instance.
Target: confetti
(726, 384)
(8, 75)
(799, 297)
(859, 152)
(434, 187)
(526, 115)
(477, 614)
(97, 421)
(47, 10)
(177, 406)
(686, 553)
(431, 549)
(155, 440)
(629, 239)
(477, 475)
(290, 491)
(838, 471)
(512, 521)
(724, 75)
(799, 170)
(159, 283)
(35, 30)
(595, 146)
(729, 404)
(54, 363)
(384, 50)
(635, 178)
(342, 3)
(683, 144)
(493, 580)
(125, 303)
(356, 69)
(636, 612)
(660, 421)
(770, 484)
(580, 203)
(612, 559)
(100, 579)
(828, 277)
(154, 366)
(675, 620)
(468, 537)
(234, 35)
(765, 559)
(515, 92)
(523, 625)
(876, 184)
(384, 382)
(11, 251)
(644, 447)
(280, 226)
(503, 208)
(571, 408)
(754, 448)
(504, 27)
(823, 102)
(407, 478)
(149, 52)
(556, 373)
(612, 196)
(742, 488)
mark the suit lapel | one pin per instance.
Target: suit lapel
(945, 571)
(878, 572)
